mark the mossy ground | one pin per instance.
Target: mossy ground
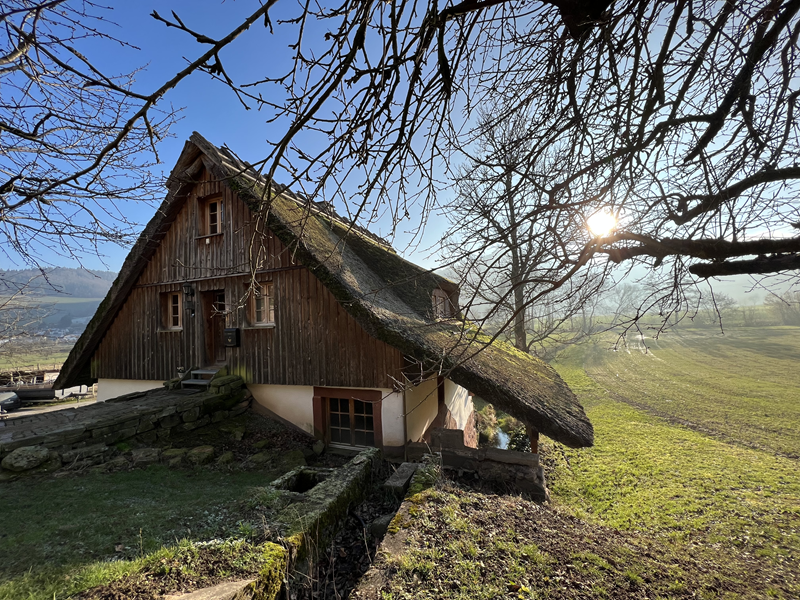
(61, 536)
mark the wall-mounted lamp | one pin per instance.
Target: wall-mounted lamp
(188, 290)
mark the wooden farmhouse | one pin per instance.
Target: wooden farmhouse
(330, 328)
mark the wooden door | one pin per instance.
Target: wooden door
(214, 321)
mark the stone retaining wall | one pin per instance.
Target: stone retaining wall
(522, 469)
(84, 435)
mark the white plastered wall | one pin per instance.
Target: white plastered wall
(111, 388)
(458, 403)
(295, 403)
(392, 418)
(422, 406)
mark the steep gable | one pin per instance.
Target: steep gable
(387, 296)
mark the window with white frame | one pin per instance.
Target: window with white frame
(172, 311)
(212, 215)
(264, 305)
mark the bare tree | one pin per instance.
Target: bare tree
(503, 237)
(679, 117)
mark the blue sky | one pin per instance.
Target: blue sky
(210, 107)
(206, 106)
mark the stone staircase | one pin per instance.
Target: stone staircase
(201, 378)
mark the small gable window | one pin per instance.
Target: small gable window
(171, 311)
(442, 308)
(212, 215)
(264, 305)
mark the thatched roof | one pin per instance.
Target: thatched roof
(388, 296)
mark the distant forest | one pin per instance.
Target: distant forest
(78, 283)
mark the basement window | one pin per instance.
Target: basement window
(351, 422)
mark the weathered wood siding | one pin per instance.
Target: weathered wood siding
(314, 341)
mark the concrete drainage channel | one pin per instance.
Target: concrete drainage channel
(315, 502)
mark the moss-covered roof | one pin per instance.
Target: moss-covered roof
(389, 297)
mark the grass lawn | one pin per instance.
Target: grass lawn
(743, 386)
(59, 534)
(675, 500)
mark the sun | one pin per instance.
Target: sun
(601, 223)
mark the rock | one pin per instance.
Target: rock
(145, 456)
(172, 453)
(176, 462)
(191, 415)
(262, 457)
(236, 430)
(83, 453)
(115, 464)
(225, 458)
(201, 455)
(290, 460)
(26, 458)
(318, 447)
(380, 525)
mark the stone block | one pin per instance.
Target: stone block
(174, 453)
(26, 458)
(200, 455)
(148, 437)
(145, 424)
(262, 457)
(191, 415)
(512, 457)
(225, 458)
(399, 481)
(115, 464)
(167, 411)
(170, 420)
(201, 422)
(145, 456)
(162, 433)
(84, 453)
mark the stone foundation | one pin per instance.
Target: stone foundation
(521, 469)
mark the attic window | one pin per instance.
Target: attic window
(264, 305)
(212, 215)
(442, 308)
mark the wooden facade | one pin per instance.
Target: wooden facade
(313, 341)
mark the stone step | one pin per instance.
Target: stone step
(195, 382)
(398, 483)
(211, 372)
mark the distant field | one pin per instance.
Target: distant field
(743, 386)
(732, 508)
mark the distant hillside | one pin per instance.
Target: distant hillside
(78, 283)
